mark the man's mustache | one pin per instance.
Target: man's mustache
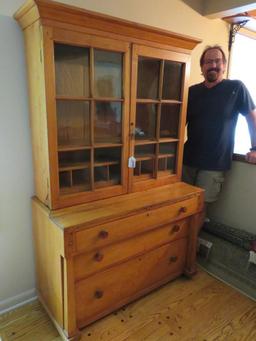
(215, 69)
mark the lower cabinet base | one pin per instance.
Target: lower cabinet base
(87, 271)
(110, 289)
(130, 299)
(77, 336)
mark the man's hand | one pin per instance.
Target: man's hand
(251, 157)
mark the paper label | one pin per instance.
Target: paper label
(132, 162)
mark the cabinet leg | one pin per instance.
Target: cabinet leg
(195, 225)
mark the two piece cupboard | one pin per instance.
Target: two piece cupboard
(112, 219)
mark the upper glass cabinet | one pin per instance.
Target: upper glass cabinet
(89, 112)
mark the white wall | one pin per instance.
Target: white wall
(236, 206)
(16, 182)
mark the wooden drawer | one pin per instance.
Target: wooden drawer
(105, 234)
(106, 291)
(88, 263)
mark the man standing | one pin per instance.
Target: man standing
(213, 108)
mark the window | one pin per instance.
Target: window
(243, 67)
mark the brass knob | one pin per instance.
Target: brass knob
(175, 228)
(98, 256)
(98, 294)
(103, 234)
(183, 209)
(173, 259)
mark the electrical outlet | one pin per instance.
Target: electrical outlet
(252, 257)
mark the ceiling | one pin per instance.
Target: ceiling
(208, 8)
(220, 8)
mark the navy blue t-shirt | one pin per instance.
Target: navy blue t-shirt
(212, 116)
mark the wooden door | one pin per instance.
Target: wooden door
(87, 98)
(158, 110)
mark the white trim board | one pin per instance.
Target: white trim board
(17, 301)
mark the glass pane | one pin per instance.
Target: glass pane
(74, 159)
(81, 180)
(107, 156)
(65, 179)
(167, 164)
(73, 181)
(73, 123)
(167, 148)
(107, 170)
(145, 167)
(108, 122)
(148, 78)
(172, 80)
(107, 176)
(145, 122)
(169, 125)
(115, 174)
(71, 70)
(167, 157)
(101, 174)
(108, 73)
(145, 151)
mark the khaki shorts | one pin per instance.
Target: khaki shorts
(210, 181)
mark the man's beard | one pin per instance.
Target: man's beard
(212, 75)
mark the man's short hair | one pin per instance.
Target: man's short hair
(213, 47)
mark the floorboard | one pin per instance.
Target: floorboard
(198, 309)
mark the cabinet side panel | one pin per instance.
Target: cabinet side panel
(49, 249)
(37, 103)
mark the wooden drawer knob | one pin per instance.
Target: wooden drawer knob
(173, 259)
(183, 209)
(103, 234)
(98, 256)
(175, 228)
(98, 294)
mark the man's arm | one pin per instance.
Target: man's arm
(251, 121)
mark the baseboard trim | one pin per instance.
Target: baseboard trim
(17, 301)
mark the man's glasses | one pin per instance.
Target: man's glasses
(213, 61)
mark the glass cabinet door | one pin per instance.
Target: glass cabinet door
(89, 85)
(157, 109)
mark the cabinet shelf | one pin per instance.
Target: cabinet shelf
(157, 101)
(74, 166)
(162, 156)
(107, 145)
(105, 163)
(145, 157)
(168, 139)
(152, 156)
(100, 184)
(72, 98)
(67, 167)
(170, 101)
(139, 142)
(84, 98)
(68, 148)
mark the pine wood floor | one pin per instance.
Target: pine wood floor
(201, 309)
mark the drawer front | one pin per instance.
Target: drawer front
(109, 289)
(105, 234)
(91, 262)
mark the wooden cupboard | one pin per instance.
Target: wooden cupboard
(108, 104)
